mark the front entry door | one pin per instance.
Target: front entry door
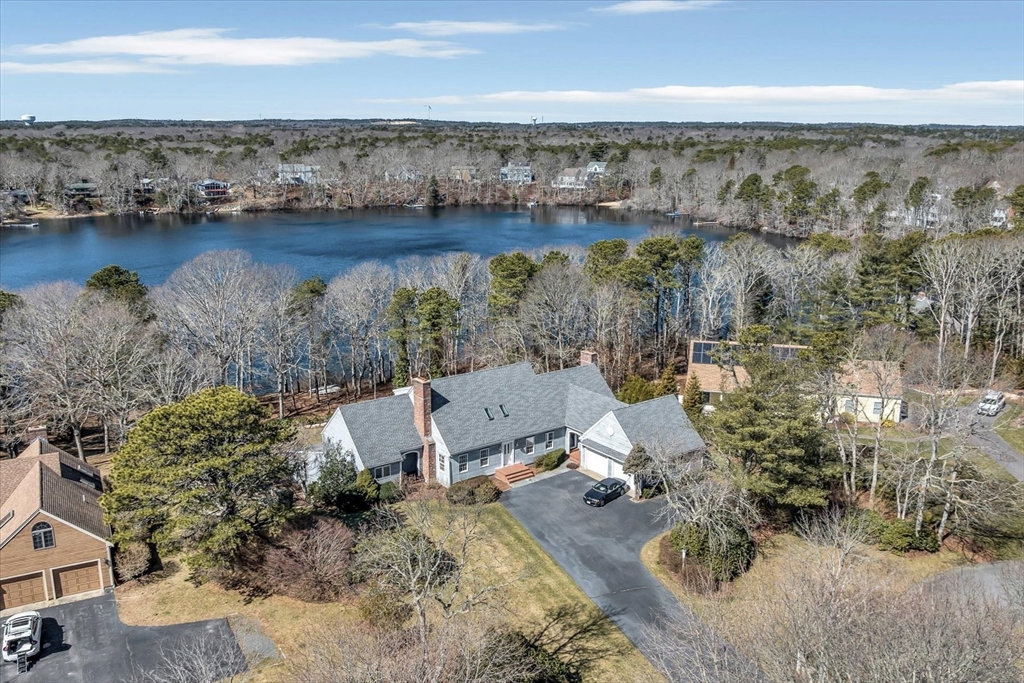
(508, 453)
(574, 441)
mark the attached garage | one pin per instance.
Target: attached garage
(22, 590)
(595, 462)
(77, 579)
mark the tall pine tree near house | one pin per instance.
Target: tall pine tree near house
(693, 399)
(202, 476)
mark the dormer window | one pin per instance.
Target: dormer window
(504, 412)
(490, 415)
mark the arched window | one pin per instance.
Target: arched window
(42, 536)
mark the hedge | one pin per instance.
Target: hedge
(552, 460)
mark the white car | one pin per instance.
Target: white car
(22, 635)
(991, 403)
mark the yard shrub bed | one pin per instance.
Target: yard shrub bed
(725, 563)
(552, 460)
(693, 577)
(472, 491)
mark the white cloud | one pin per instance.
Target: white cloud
(454, 28)
(1009, 92)
(83, 66)
(978, 102)
(205, 46)
(655, 6)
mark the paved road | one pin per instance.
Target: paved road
(85, 642)
(991, 443)
(998, 580)
(600, 549)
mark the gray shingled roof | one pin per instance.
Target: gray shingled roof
(535, 403)
(575, 397)
(72, 502)
(660, 424)
(382, 429)
(584, 407)
(458, 404)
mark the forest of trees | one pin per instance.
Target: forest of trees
(782, 178)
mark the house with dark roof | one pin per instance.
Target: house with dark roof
(463, 426)
(53, 540)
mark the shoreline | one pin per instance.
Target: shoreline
(695, 220)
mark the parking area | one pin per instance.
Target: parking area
(600, 549)
(85, 642)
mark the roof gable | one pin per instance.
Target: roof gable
(381, 429)
(660, 424)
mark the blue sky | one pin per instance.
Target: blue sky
(676, 60)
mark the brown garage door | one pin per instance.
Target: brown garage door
(77, 579)
(21, 591)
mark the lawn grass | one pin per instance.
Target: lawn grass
(535, 584)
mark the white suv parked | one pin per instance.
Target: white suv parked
(22, 635)
(991, 403)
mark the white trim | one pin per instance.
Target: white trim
(77, 528)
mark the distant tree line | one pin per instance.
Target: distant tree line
(788, 179)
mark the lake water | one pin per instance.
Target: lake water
(314, 243)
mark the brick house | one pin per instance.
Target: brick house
(53, 540)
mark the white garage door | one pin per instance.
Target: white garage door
(616, 470)
(595, 462)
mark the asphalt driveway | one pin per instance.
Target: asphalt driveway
(988, 440)
(600, 549)
(86, 642)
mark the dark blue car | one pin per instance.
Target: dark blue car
(604, 491)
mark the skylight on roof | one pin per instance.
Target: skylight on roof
(504, 412)
(490, 416)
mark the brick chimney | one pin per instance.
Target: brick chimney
(421, 409)
(34, 433)
(421, 406)
(588, 357)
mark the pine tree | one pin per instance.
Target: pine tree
(433, 192)
(693, 398)
(640, 464)
(401, 315)
(201, 476)
(667, 384)
(772, 432)
(635, 390)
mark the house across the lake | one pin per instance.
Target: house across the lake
(516, 173)
(298, 174)
(53, 540)
(210, 188)
(459, 427)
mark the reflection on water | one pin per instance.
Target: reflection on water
(314, 243)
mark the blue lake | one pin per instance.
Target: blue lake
(314, 243)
